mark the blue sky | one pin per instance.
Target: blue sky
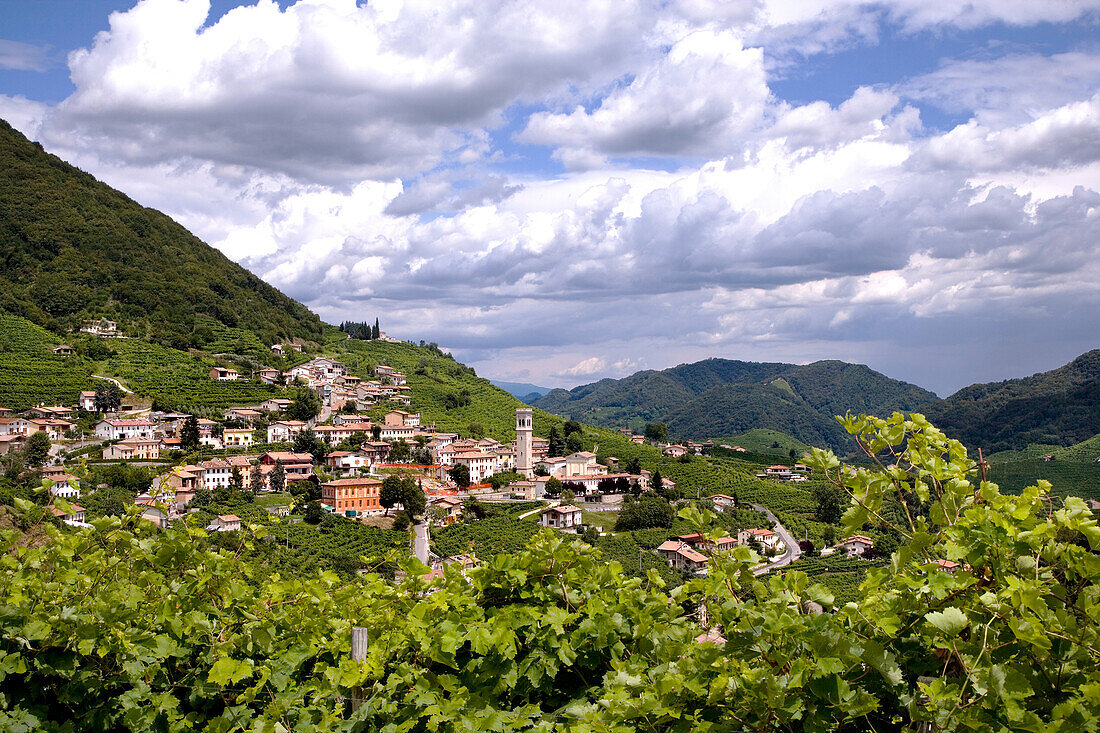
(561, 192)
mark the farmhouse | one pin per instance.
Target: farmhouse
(681, 556)
(856, 546)
(765, 537)
(565, 516)
(355, 495)
(122, 429)
(224, 374)
(144, 449)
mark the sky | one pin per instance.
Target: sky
(561, 192)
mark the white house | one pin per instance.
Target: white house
(122, 429)
(86, 400)
(565, 516)
(856, 545)
(65, 486)
(481, 465)
(284, 431)
(765, 537)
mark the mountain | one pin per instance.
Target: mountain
(521, 390)
(1060, 407)
(73, 248)
(718, 397)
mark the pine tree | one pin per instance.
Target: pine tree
(189, 434)
(376, 332)
(277, 480)
(256, 480)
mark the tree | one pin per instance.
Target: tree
(108, 396)
(656, 482)
(203, 497)
(236, 480)
(277, 479)
(556, 443)
(553, 486)
(38, 449)
(573, 443)
(459, 474)
(567, 496)
(648, 511)
(313, 513)
(376, 331)
(476, 430)
(391, 492)
(256, 480)
(807, 548)
(829, 500)
(656, 432)
(189, 434)
(829, 535)
(633, 466)
(306, 441)
(414, 499)
(399, 451)
(306, 405)
(570, 427)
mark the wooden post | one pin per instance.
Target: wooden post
(358, 653)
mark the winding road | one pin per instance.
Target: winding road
(792, 553)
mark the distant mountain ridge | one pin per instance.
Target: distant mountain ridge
(524, 391)
(1058, 407)
(73, 248)
(717, 397)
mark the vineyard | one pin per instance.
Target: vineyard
(841, 575)
(178, 380)
(485, 538)
(30, 373)
(1070, 478)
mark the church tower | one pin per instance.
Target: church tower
(523, 442)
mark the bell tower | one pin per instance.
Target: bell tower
(523, 442)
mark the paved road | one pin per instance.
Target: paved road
(109, 379)
(792, 553)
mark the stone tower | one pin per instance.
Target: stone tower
(523, 442)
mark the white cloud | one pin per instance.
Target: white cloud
(16, 56)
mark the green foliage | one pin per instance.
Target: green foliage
(486, 538)
(74, 248)
(37, 450)
(460, 474)
(647, 512)
(306, 405)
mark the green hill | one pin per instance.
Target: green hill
(1060, 407)
(73, 248)
(723, 397)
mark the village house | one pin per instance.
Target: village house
(450, 504)
(65, 486)
(10, 443)
(156, 516)
(856, 546)
(123, 429)
(765, 537)
(333, 434)
(184, 480)
(325, 369)
(284, 431)
(268, 375)
(681, 556)
(674, 451)
(294, 464)
(383, 371)
(225, 523)
(238, 437)
(53, 428)
(245, 414)
(101, 327)
(86, 400)
(565, 516)
(397, 432)
(481, 465)
(400, 418)
(14, 426)
(276, 404)
(142, 449)
(56, 412)
(698, 541)
(342, 460)
(63, 350)
(723, 501)
(637, 439)
(75, 514)
(358, 495)
(224, 374)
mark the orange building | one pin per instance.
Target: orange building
(355, 494)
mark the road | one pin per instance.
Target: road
(110, 379)
(792, 553)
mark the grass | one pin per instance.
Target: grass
(603, 520)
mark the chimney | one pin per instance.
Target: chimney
(420, 542)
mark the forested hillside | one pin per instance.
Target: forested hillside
(73, 248)
(1060, 407)
(722, 397)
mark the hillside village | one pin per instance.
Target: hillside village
(338, 458)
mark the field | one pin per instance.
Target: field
(1076, 478)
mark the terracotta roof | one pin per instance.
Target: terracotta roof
(229, 517)
(859, 538)
(758, 532)
(351, 482)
